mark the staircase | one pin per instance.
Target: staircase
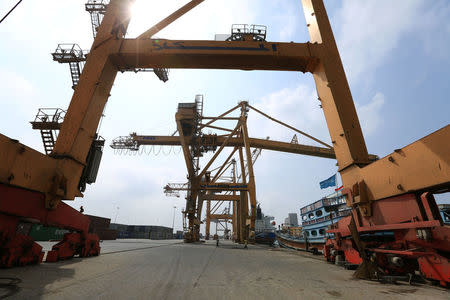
(199, 105)
(73, 55)
(48, 140)
(48, 121)
(96, 9)
(75, 72)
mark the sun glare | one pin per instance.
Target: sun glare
(144, 14)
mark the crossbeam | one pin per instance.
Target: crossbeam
(239, 142)
(238, 55)
(221, 217)
(221, 197)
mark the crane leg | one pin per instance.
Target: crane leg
(396, 247)
(16, 249)
(73, 244)
(19, 207)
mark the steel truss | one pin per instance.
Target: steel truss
(213, 185)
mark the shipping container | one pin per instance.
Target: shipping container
(45, 233)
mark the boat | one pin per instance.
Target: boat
(318, 216)
(264, 228)
(444, 210)
(315, 218)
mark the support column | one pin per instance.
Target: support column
(251, 175)
(334, 92)
(208, 219)
(235, 203)
(243, 203)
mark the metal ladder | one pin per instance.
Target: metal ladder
(48, 139)
(73, 55)
(96, 9)
(75, 72)
(48, 121)
(199, 105)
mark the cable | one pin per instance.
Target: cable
(10, 11)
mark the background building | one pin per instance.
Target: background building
(293, 219)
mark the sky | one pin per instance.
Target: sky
(395, 54)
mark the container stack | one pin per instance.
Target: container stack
(100, 226)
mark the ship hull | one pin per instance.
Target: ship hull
(267, 238)
(300, 244)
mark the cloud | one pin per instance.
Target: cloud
(297, 107)
(370, 114)
(367, 31)
(134, 183)
(434, 29)
(17, 98)
(16, 89)
(202, 22)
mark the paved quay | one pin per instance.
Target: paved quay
(170, 269)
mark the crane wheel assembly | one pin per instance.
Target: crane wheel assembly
(19, 209)
(419, 247)
(73, 244)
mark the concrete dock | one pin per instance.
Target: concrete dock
(170, 269)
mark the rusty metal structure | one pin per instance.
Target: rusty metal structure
(33, 185)
(211, 184)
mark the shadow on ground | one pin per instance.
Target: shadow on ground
(12, 280)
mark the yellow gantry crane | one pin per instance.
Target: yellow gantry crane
(205, 184)
(33, 185)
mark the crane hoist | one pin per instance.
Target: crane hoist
(33, 185)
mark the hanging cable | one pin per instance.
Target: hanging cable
(156, 154)
(10, 11)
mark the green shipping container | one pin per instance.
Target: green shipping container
(44, 233)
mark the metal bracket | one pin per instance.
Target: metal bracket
(357, 197)
(57, 191)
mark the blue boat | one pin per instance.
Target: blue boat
(315, 218)
(444, 209)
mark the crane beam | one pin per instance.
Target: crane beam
(237, 55)
(239, 142)
(221, 217)
(214, 197)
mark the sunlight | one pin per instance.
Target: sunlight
(145, 14)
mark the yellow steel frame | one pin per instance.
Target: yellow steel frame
(240, 141)
(422, 165)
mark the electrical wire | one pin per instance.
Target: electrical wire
(10, 11)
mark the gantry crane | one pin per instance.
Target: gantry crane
(205, 185)
(174, 189)
(33, 184)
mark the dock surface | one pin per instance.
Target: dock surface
(170, 269)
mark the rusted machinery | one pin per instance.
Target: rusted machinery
(206, 184)
(399, 235)
(32, 185)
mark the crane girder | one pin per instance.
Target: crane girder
(214, 197)
(237, 55)
(221, 216)
(239, 142)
